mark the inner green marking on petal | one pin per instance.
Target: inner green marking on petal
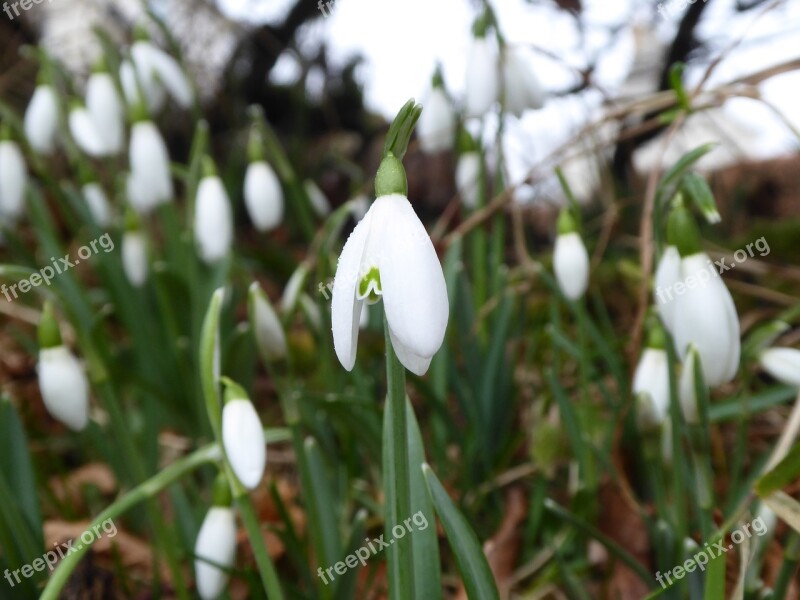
(369, 288)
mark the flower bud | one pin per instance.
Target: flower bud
(41, 119)
(213, 220)
(215, 545)
(243, 436)
(13, 181)
(783, 364)
(263, 196)
(570, 258)
(269, 334)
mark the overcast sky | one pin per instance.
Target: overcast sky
(402, 40)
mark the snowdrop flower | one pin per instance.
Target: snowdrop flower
(13, 181)
(437, 123)
(133, 88)
(85, 132)
(666, 276)
(105, 107)
(390, 256)
(294, 286)
(319, 202)
(213, 218)
(62, 379)
(482, 80)
(270, 338)
(783, 364)
(215, 545)
(263, 196)
(156, 68)
(705, 315)
(134, 252)
(468, 176)
(243, 436)
(651, 382)
(570, 258)
(41, 119)
(521, 88)
(97, 202)
(150, 182)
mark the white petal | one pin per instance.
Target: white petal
(97, 202)
(13, 181)
(783, 364)
(147, 76)
(263, 196)
(414, 290)
(437, 123)
(468, 174)
(652, 378)
(41, 119)
(216, 542)
(294, 286)
(345, 308)
(413, 362)
(134, 257)
(666, 276)
(243, 439)
(571, 265)
(523, 90)
(150, 164)
(706, 317)
(482, 81)
(85, 132)
(64, 387)
(213, 221)
(105, 106)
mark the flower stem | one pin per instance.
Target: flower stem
(397, 484)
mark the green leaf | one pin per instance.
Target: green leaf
(684, 163)
(472, 564)
(715, 579)
(209, 361)
(699, 192)
(425, 542)
(787, 471)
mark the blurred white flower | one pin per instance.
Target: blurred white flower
(319, 202)
(267, 327)
(436, 128)
(216, 543)
(155, 69)
(263, 196)
(468, 176)
(294, 286)
(134, 257)
(243, 439)
(651, 383)
(85, 132)
(783, 364)
(571, 264)
(389, 255)
(41, 119)
(521, 88)
(666, 276)
(359, 205)
(97, 202)
(150, 182)
(13, 181)
(133, 88)
(482, 80)
(105, 106)
(64, 386)
(213, 220)
(706, 317)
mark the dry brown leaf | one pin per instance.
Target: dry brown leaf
(68, 488)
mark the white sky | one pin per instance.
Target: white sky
(402, 40)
